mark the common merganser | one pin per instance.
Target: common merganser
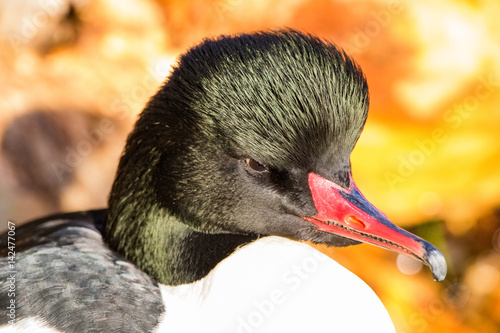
(243, 153)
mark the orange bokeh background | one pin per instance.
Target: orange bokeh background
(429, 155)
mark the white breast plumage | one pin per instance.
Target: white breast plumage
(275, 285)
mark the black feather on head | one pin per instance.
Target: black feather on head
(287, 101)
(276, 96)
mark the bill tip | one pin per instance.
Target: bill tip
(438, 266)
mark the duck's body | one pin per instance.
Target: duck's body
(67, 279)
(249, 138)
(270, 285)
(275, 285)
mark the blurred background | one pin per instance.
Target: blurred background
(74, 74)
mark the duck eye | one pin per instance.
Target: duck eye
(255, 165)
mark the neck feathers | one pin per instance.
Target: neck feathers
(151, 235)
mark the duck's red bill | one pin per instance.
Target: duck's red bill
(347, 213)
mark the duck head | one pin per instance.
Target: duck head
(250, 136)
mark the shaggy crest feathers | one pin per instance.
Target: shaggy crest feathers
(284, 98)
(258, 90)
